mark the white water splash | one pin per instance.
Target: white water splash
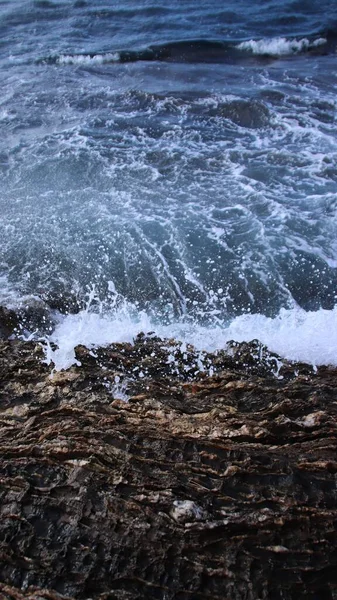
(91, 329)
(294, 334)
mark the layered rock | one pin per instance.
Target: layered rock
(144, 473)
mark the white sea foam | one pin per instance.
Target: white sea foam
(294, 334)
(92, 329)
(279, 46)
(87, 59)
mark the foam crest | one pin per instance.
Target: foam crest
(88, 59)
(280, 46)
(294, 334)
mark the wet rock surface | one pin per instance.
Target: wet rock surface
(145, 474)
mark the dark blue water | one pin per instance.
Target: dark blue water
(177, 158)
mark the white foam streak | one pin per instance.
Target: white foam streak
(279, 46)
(294, 334)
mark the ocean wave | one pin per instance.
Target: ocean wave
(294, 334)
(179, 51)
(208, 51)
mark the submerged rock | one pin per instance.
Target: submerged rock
(140, 476)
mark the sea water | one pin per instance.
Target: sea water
(171, 168)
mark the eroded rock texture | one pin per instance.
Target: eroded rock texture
(193, 486)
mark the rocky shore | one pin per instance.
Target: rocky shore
(143, 474)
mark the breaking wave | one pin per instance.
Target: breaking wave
(294, 334)
(88, 59)
(281, 46)
(207, 51)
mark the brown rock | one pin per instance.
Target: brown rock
(211, 487)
